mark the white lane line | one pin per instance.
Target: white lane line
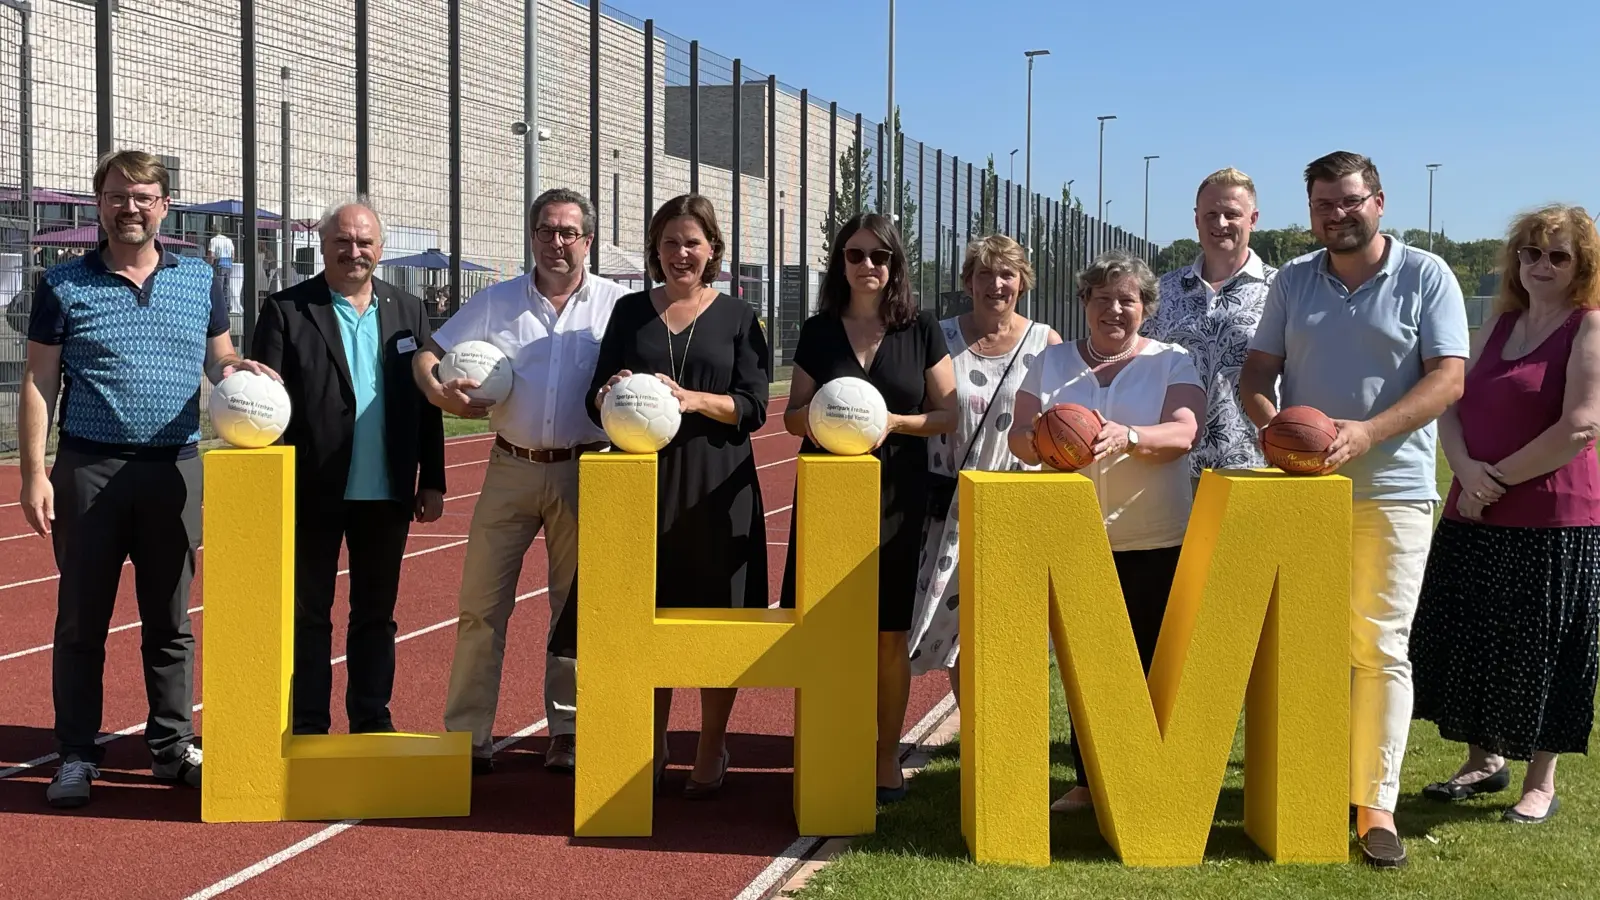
(18, 537)
(790, 856)
(415, 536)
(325, 835)
(475, 462)
(778, 463)
(135, 729)
(779, 510)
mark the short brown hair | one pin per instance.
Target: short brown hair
(695, 207)
(1340, 163)
(1537, 228)
(1229, 177)
(137, 166)
(996, 250)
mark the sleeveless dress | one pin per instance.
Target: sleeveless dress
(934, 642)
(1503, 646)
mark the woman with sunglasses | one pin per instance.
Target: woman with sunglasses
(868, 326)
(1503, 647)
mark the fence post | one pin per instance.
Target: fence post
(247, 255)
(772, 227)
(454, 28)
(694, 116)
(104, 72)
(805, 201)
(363, 115)
(594, 122)
(649, 128)
(735, 282)
(833, 172)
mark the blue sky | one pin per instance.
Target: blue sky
(1500, 93)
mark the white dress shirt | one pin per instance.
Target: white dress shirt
(1145, 504)
(553, 356)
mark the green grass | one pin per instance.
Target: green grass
(1457, 851)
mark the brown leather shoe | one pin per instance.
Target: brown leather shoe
(1382, 849)
(562, 754)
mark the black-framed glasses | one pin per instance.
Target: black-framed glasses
(548, 235)
(854, 256)
(1530, 255)
(1348, 204)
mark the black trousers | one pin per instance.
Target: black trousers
(375, 533)
(107, 511)
(1146, 577)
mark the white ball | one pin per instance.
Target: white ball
(482, 362)
(847, 416)
(640, 415)
(249, 410)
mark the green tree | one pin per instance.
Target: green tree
(1176, 255)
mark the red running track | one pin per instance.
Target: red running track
(143, 840)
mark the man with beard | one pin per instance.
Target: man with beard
(1373, 333)
(1211, 309)
(369, 459)
(549, 323)
(127, 329)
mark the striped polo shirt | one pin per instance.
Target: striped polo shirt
(132, 355)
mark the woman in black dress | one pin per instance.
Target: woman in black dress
(868, 326)
(709, 348)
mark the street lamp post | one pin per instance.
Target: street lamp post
(1027, 159)
(1147, 198)
(1432, 167)
(1100, 188)
(888, 120)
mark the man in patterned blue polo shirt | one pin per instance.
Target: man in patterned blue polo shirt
(126, 332)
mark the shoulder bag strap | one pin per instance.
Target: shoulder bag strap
(996, 395)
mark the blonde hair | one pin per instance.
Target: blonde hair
(1229, 177)
(1538, 228)
(995, 251)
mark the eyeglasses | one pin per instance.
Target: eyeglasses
(1348, 204)
(140, 201)
(854, 256)
(1530, 255)
(548, 235)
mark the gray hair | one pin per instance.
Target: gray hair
(591, 223)
(325, 224)
(1114, 264)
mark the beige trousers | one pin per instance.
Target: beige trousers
(518, 499)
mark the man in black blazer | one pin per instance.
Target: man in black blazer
(369, 458)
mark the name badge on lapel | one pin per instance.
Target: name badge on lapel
(406, 344)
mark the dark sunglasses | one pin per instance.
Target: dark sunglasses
(854, 256)
(1531, 255)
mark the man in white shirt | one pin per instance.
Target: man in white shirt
(1211, 309)
(550, 324)
(220, 253)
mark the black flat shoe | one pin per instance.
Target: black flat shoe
(1381, 848)
(1451, 791)
(1511, 815)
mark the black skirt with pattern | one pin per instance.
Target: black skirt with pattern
(1503, 646)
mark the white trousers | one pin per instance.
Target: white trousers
(1389, 552)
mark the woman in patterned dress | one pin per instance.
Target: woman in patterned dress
(1503, 644)
(992, 347)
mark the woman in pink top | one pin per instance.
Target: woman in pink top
(1503, 647)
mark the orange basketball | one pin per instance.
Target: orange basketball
(1297, 440)
(1064, 437)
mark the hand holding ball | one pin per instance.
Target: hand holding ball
(249, 410)
(640, 414)
(847, 416)
(1297, 440)
(482, 362)
(1064, 436)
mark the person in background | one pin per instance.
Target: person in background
(712, 548)
(1211, 309)
(1373, 333)
(219, 252)
(1504, 642)
(369, 459)
(1149, 425)
(129, 329)
(550, 324)
(869, 327)
(991, 349)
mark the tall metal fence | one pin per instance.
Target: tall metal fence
(451, 115)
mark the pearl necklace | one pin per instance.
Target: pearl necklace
(1101, 359)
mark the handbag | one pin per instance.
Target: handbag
(942, 487)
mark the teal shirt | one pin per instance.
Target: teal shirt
(369, 464)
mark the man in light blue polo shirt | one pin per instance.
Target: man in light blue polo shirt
(1373, 333)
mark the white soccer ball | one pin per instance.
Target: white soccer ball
(640, 415)
(482, 362)
(249, 410)
(847, 416)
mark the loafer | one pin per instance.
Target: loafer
(1381, 848)
(1452, 791)
(1511, 815)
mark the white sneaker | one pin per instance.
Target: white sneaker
(183, 770)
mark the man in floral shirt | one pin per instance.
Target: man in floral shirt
(1211, 309)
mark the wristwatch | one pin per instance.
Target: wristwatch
(1133, 438)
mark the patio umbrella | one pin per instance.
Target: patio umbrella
(89, 236)
(43, 195)
(227, 208)
(432, 259)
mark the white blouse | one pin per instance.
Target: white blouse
(1145, 504)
